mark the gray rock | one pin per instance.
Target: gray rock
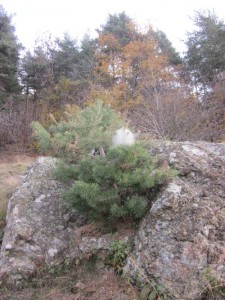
(180, 239)
(183, 235)
(41, 228)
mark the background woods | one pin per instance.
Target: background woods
(136, 72)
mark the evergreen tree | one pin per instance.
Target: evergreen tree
(205, 56)
(115, 186)
(66, 56)
(86, 59)
(80, 133)
(120, 26)
(36, 72)
(58, 69)
(166, 47)
(110, 185)
(9, 56)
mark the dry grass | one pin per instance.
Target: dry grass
(88, 280)
(11, 168)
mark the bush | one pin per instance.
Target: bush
(106, 187)
(118, 254)
(116, 186)
(79, 132)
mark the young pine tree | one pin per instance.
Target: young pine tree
(109, 187)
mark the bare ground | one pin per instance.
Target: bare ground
(84, 282)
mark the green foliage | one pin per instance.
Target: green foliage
(120, 26)
(166, 47)
(81, 132)
(137, 205)
(116, 186)
(153, 291)
(118, 254)
(86, 63)
(95, 126)
(9, 56)
(53, 60)
(43, 136)
(1, 235)
(205, 55)
(36, 71)
(66, 56)
(107, 187)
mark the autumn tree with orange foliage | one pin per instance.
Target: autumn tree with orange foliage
(112, 73)
(137, 77)
(137, 72)
(146, 66)
(168, 108)
(125, 73)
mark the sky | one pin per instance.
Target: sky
(35, 18)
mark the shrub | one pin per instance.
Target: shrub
(79, 132)
(116, 186)
(106, 187)
(118, 254)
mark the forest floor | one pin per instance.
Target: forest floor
(87, 281)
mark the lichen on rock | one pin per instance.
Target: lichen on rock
(183, 234)
(41, 228)
(181, 237)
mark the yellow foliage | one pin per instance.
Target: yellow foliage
(117, 97)
(123, 74)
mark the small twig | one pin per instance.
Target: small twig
(101, 151)
(53, 119)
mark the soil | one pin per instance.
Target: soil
(88, 283)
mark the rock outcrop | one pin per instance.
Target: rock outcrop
(181, 239)
(41, 229)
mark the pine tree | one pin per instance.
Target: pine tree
(9, 56)
(166, 47)
(80, 132)
(205, 56)
(108, 187)
(120, 26)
